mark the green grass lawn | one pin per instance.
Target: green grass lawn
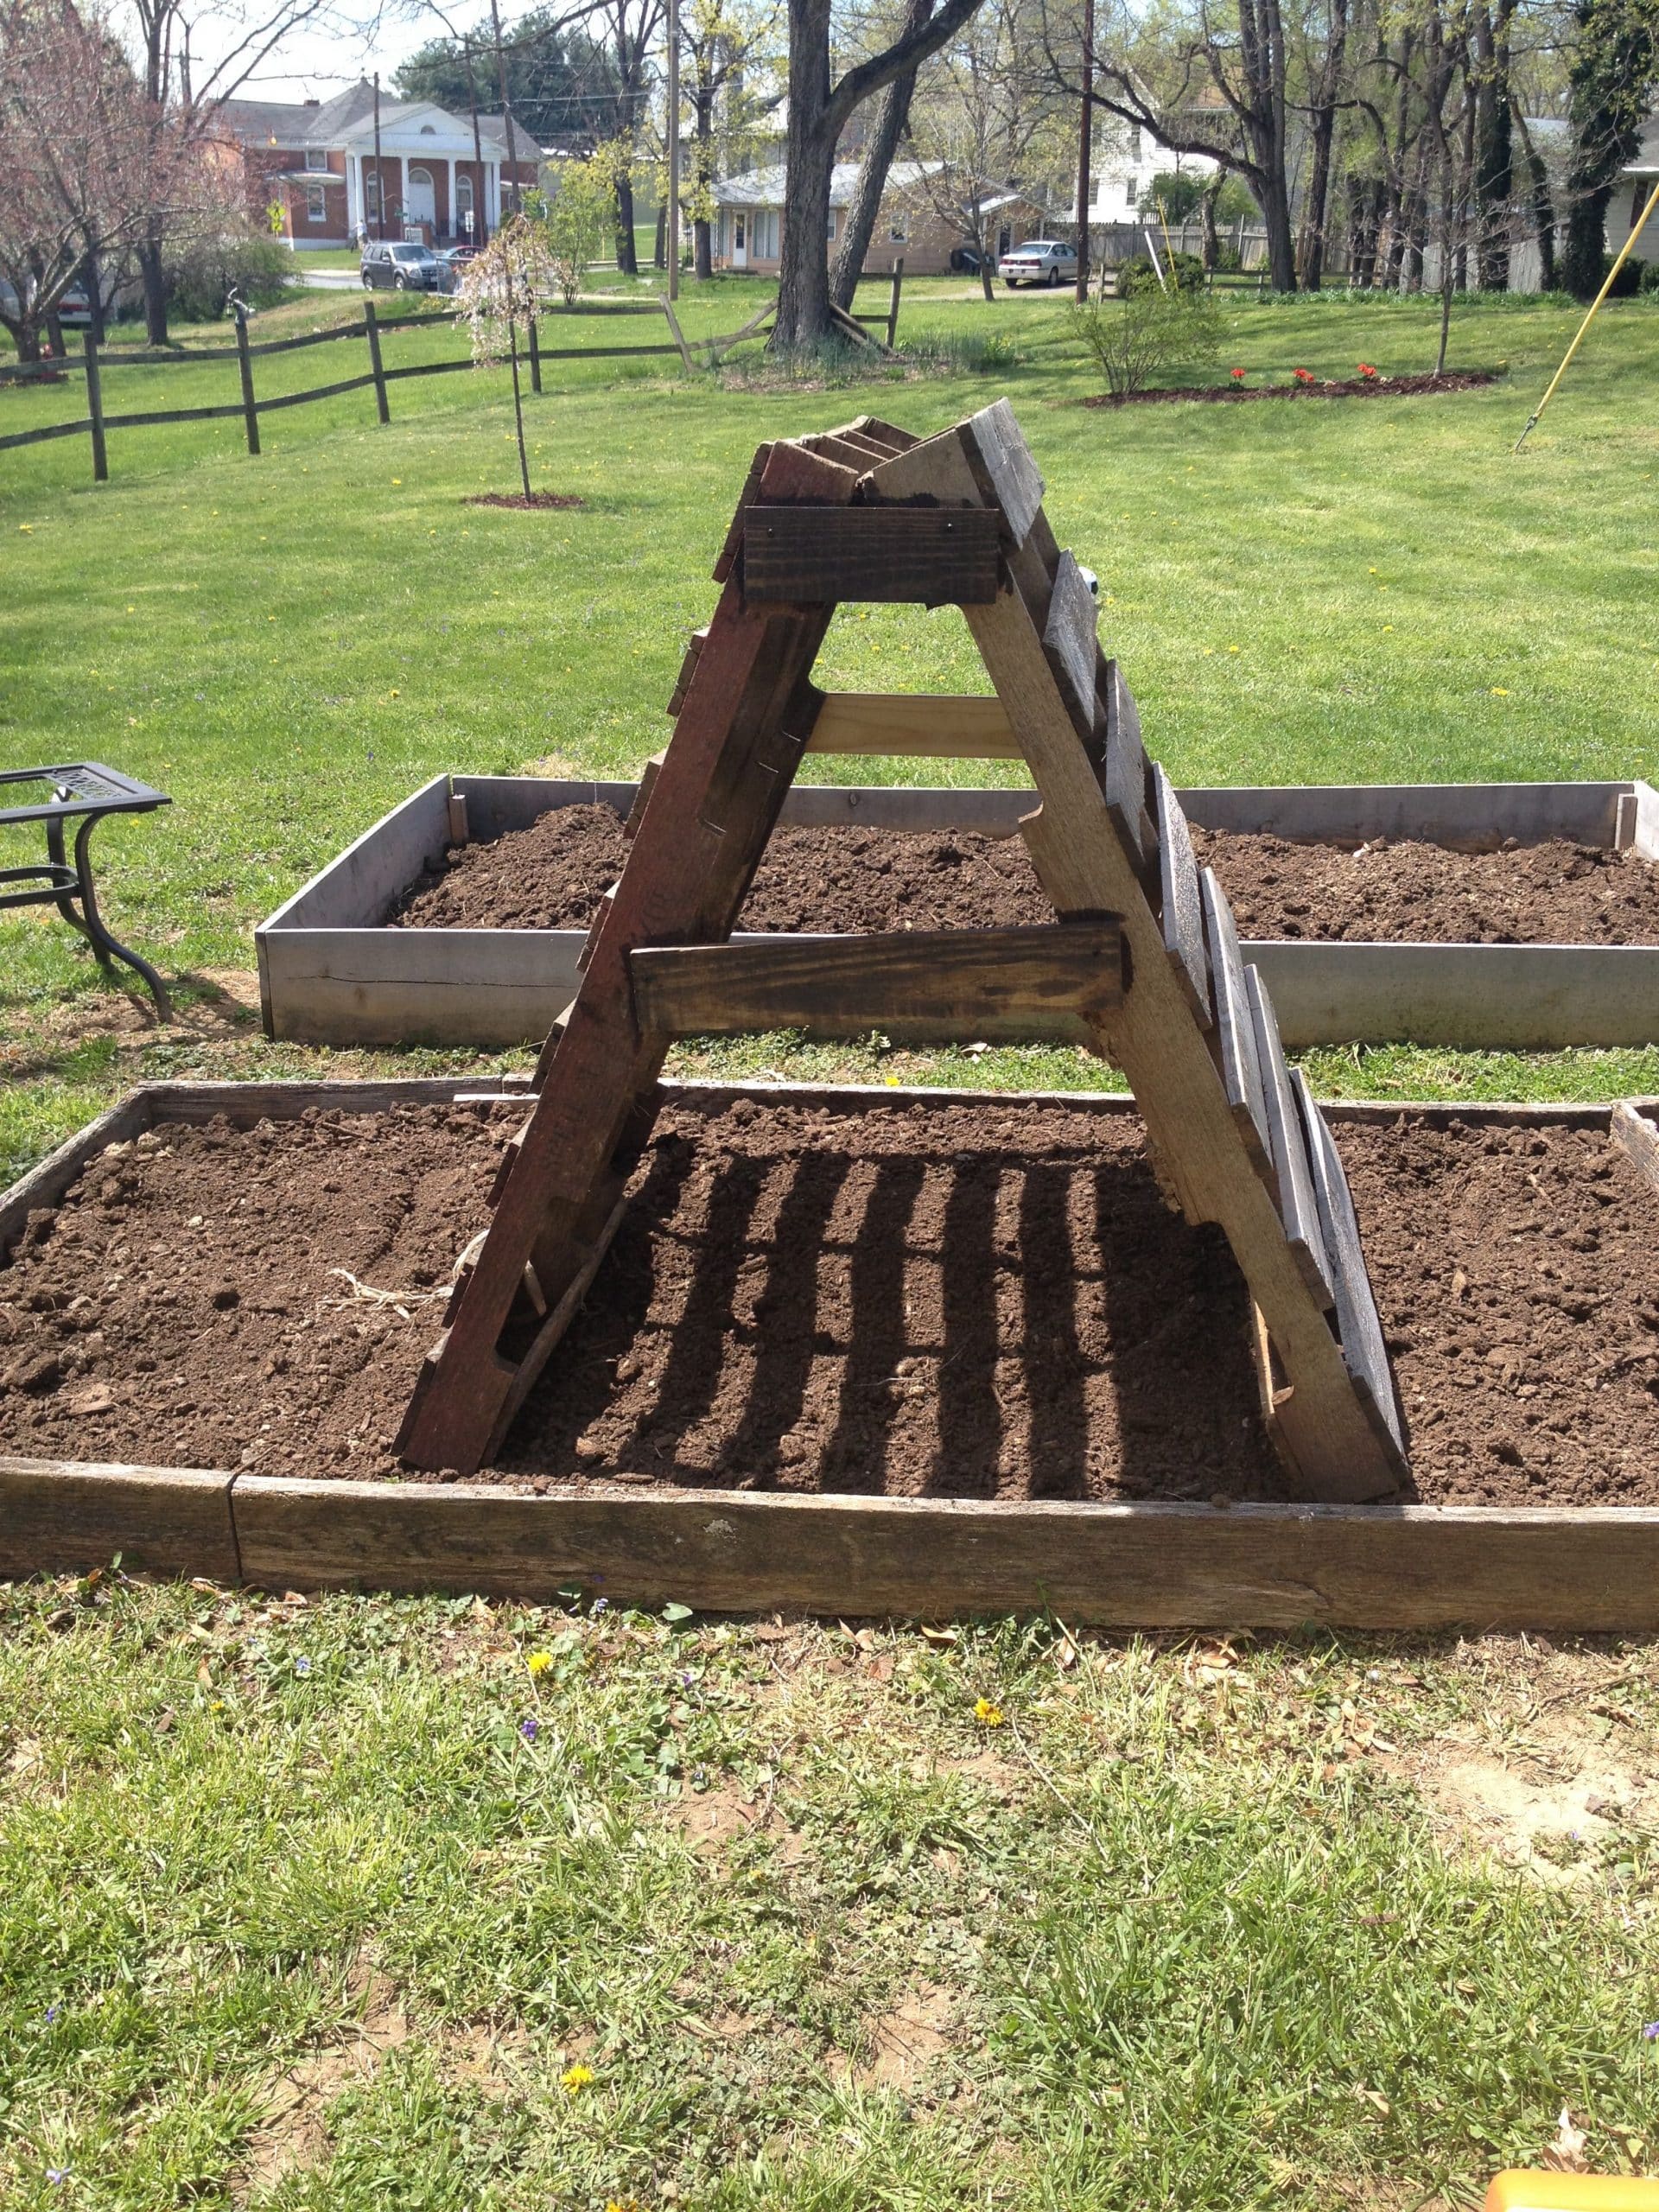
(343, 1905)
(1306, 592)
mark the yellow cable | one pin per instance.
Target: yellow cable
(1636, 230)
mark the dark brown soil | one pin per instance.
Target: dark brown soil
(518, 499)
(978, 1302)
(553, 876)
(1335, 388)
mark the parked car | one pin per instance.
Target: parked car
(1039, 261)
(452, 260)
(402, 267)
(74, 308)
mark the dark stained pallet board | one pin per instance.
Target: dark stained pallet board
(1555, 1569)
(805, 555)
(1240, 1070)
(1291, 1175)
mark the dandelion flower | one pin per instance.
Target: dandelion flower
(27, 528)
(987, 1714)
(1498, 692)
(539, 1661)
(575, 2077)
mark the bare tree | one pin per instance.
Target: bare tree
(977, 120)
(819, 106)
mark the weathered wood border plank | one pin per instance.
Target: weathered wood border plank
(66, 1517)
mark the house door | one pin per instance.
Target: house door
(741, 239)
(422, 206)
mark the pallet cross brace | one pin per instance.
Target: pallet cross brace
(1144, 957)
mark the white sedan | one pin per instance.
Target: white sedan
(1039, 261)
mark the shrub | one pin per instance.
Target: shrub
(1138, 275)
(1650, 277)
(1628, 282)
(1135, 339)
(201, 276)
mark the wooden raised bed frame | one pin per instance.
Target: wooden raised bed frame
(1554, 1568)
(329, 973)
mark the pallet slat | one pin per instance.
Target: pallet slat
(1241, 1070)
(1124, 776)
(1363, 1347)
(848, 985)
(1183, 911)
(1003, 462)
(915, 725)
(1298, 1208)
(812, 556)
(1069, 640)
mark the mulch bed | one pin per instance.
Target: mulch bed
(1231, 395)
(553, 874)
(518, 499)
(984, 1302)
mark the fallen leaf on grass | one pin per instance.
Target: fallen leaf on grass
(1566, 2154)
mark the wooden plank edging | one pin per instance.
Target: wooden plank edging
(1562, 1569)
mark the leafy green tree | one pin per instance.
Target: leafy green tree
(579, 212)
(1612, 82)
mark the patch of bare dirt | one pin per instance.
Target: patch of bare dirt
(1379, 387)
(907, 2040)
(517, 499)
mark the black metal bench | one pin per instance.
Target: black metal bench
(87, 790)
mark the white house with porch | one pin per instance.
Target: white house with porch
(339, 172)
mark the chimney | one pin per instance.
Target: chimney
(313, 103)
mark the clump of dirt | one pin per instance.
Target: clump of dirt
(553, 876)
(984, 1302)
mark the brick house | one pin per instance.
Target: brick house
(748, 225)
(316, 161)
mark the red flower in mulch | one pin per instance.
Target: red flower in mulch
(1303, 376)
(1238, 375)
(1368, 371)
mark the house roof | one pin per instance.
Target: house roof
(765, 187)
(348, 120)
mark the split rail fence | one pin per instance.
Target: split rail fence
(96, 423)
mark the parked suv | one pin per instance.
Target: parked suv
(1039, 261)
(404, 268)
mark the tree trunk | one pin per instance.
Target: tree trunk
(27, 339)
(1323, 129)
(887, 128)
(703, 156)
(1209, 243)
(660, 251)
(802, 317)
(149, 251)
(627, 260)
(1281, 239)
(1543, 208)
(1494, 159)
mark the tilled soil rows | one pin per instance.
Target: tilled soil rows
(984, 1302)
(552, 875)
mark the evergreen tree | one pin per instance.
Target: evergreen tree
(562, 84)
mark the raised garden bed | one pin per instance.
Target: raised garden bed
(355, 957)
(831, 1363)
(1379, 387)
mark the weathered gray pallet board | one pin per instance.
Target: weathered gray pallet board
(1561, 1570)
(329, 974)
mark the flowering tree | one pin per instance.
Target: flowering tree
(496, 297)
(86, 161)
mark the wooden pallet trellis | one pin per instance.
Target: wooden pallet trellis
(1145, 953)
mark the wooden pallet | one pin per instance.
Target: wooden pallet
(1144, 955)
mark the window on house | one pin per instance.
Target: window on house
(1638, 202)
(763, 234)
(832, 222)
(315, 205)
(428, 131)
(371, 195)
(899, 229)
(316, 160)
(1134, 141)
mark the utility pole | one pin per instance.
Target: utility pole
(480, 221)
(1085, 147)
(379, 174)
(501, 80)
(673, 150)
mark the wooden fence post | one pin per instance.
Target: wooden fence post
(535, 356)
(95, 410)
(381, 408)
(244, 363)
(893, 302)
(674, 325)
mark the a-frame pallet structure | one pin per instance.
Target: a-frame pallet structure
(1144, 954)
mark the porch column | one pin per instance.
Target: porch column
(353, 195)
(493, 195)
(453, 220)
